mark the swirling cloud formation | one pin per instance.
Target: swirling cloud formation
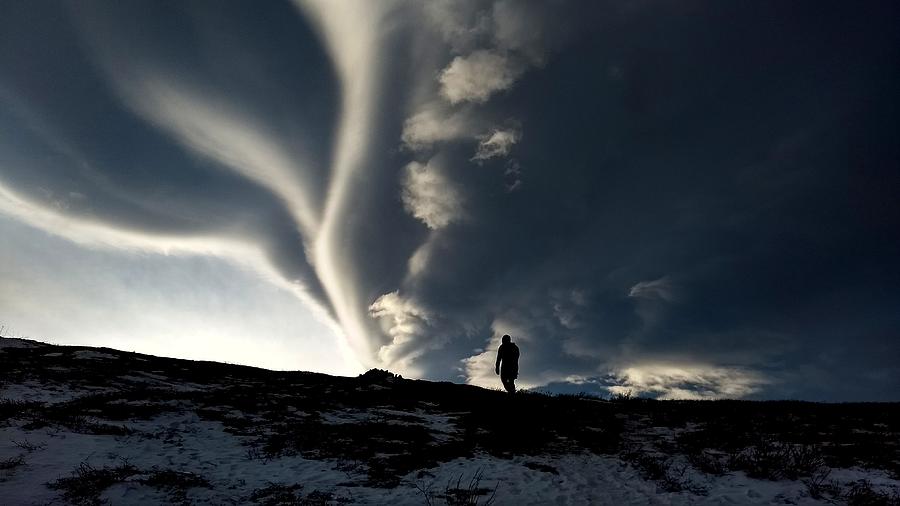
(683, 201)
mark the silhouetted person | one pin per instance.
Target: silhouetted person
(508, 364)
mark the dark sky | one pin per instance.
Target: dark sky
(683, 199)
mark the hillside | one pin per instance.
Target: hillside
(89, 425)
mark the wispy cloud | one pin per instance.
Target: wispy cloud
(353, 37)
(661, 288)
(186, 304)
(497, 144)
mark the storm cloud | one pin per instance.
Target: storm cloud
(683, 200)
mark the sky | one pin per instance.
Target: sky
(681, 199)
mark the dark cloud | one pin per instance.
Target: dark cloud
(681, 199)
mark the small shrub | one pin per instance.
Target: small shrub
(255, 453)
(169, 478)
(470, 494)
(861, 493)
(317, 498)
(709, 463)
(175, 483)
(12, 462)
(87, 482)
(459, 494)
(69, 415)
(622, 396)
(10, 408)
(803, 460)
(820, 487)
(774, 461)
(276, 494)
(660, 469)
(29, 446)
(350, 467)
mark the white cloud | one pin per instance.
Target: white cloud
(433, 125)
(498, 143)
(461, 23)
(660, 289)
(479, 75)
(694, 381)
(400, 316)
(97, 234)
(404, 321)
(496, 42)
(93, 234)
(479, 368)
(652, 303)
(430, 196)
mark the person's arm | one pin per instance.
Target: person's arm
(497, 366)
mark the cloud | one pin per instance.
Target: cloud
(661, 289)
(355, 38)
(267, 212)
(189, 305)
(335, 145)
(406, 323)
(490, 45)
(92, 234)
(429, 195)
(519, 39)
(479, 369)
(512, 176)
(238, 142)
(693, 381)
(474, 78)
(461, 24)
(229, 124)
(497, 143)
(434, 125)
(567, 306)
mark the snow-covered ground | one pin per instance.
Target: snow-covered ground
(187, 444)
(74, 428)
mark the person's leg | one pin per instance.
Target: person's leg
(508, 384)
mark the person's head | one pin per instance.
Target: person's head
(506, 338)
